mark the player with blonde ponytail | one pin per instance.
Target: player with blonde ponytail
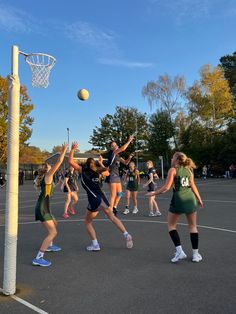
(184, 201)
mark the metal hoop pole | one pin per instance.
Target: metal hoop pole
(11, 215)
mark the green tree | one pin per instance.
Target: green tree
(56, 149)
(228, 63)
(168, 94)
(119, 126)
(210, 99)
(32, 155)
(197, 142)
(26, 121)
(227, 153)
(161, 131)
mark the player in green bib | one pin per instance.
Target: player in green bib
(133, 180)
(184, 201)
(44, 181)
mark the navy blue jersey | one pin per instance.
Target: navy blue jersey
(151, 185)
(90, 181)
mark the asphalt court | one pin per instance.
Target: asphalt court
(117, 280)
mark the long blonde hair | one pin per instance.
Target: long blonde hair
(184, 161)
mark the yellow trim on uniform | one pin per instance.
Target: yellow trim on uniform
(48, 189)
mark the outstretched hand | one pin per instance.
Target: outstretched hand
(200, 203)
(131, 138)
(64, 147)
(74, 145)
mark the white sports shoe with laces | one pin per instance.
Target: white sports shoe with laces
(196, 258)
(129, 242)
(93, 248)
(126, 211)
(178, 256)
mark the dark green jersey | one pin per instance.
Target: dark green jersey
(132, 183)
(42, 209)
(183, 200)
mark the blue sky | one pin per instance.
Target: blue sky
(112, 48)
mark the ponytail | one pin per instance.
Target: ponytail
(185, 161)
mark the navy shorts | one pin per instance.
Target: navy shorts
(95, 201)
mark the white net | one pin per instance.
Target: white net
(41, 65)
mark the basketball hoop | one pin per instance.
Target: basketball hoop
(41, 65)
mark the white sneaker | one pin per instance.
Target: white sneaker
(157, 213)
(151, 214)
(93, 248)
(178, 256)
(129, 242)
(135, 211)
(126, 211)
(196, 258)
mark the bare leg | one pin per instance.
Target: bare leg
(116, 221)
(192, 222)
(172, 221)
(52, 233)
(75, 199)
(127, 197)
(151, 203)
(67, 202)
(117, 198)
(90, 216)
(134, 198)
(113, 192)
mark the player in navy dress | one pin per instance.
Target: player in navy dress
(97, 201)
(153, 207)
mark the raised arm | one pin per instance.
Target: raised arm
(124, 147)
(71, 161)
(168, 184)
(127, 161)
(50, 173)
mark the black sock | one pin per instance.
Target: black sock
(114, 211)
(175, 237)
(194, 240)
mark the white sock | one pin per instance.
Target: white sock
(125, 234)
(95, 242)
(51, 244)
(179, 249)
(40, 254)
(195, 251)
(135, 208)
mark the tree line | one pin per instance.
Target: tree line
(199, 120)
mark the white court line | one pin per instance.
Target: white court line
(132, 220)
(139, 197)
(29, 305)
(51, 203)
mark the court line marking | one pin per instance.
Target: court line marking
(33, 206)
(27, 304)
(132, 220)
(160, 198)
